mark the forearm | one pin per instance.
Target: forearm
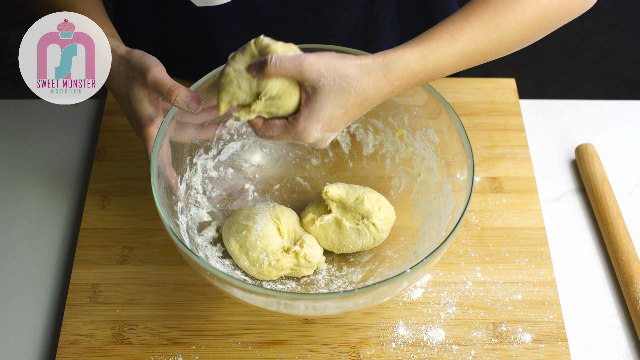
(479, 32)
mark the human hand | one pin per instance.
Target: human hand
(186, 127)
(145, 92)
(336, 89)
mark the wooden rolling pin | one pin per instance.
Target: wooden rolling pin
(614, 231)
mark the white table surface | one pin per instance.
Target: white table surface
(595, 315)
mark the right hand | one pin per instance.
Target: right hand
(145, 92)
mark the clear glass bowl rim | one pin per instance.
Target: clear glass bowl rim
(295, 295)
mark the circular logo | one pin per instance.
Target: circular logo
(65, 58)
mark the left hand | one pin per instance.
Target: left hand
(336, 89)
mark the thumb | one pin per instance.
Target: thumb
(289, 66)
(175, 94)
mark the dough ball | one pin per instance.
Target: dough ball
(267, 242)
(347, 218)
(275, 97)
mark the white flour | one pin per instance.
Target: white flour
(404, 334)
(434, 336)
(417, 289)
(523, 337)
(410, 337)
(238, 169)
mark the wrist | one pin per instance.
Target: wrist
(403, 68)
(117, 46)
(383, 75)
(118, 51)
(379, 85)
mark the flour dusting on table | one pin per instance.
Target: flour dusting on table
(410, 337)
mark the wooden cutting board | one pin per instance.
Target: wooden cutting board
(493, 295)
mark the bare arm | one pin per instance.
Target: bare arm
(137, 80)
(338, 89)
(481, 31)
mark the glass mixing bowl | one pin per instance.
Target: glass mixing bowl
(412, 149)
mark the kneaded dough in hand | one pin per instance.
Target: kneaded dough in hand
(274, 97)
(267, 242)
(347, 218)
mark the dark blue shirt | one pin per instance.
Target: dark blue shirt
(191, 41)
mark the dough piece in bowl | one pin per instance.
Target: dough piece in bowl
(274, 97)
(347, 218)
(267, 242)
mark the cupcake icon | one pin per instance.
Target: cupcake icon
(66, 29)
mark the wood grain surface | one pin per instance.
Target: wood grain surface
(614, 231)
(493, 295)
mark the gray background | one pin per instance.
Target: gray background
(46, 152)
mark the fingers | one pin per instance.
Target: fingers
(273, 129)
(205, 115)
(290, 129)
(174, 93)
(164, 158)
(292, 66)
(185, 132)
(297, 128)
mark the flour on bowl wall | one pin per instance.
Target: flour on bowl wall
(238, 169)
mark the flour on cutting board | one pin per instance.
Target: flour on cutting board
(412, 338)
